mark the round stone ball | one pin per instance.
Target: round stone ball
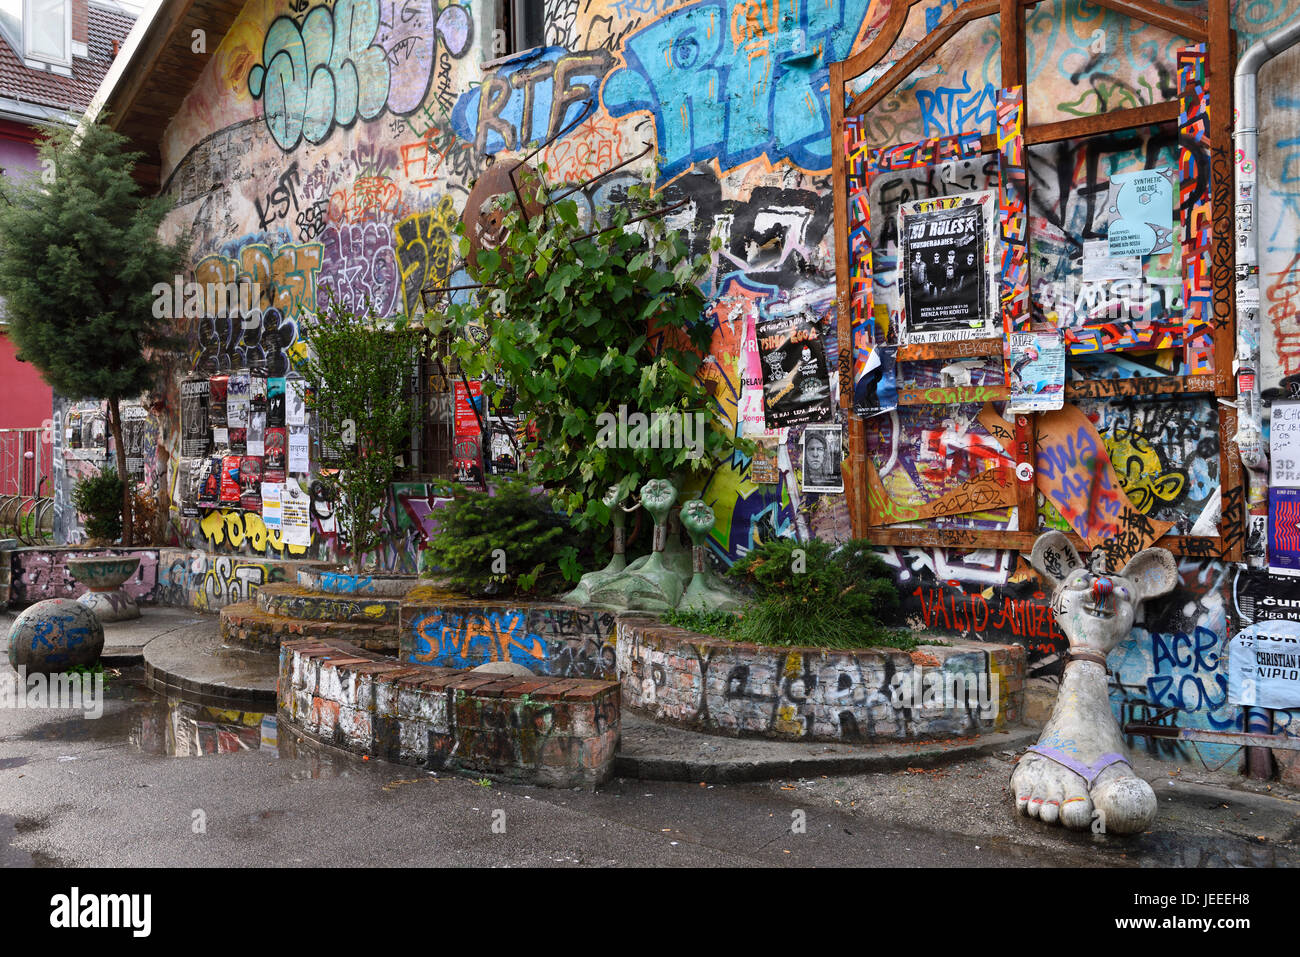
(55, 635)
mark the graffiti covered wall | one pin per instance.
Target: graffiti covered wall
(330, 146)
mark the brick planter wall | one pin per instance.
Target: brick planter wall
(807, 694)
(558, 732)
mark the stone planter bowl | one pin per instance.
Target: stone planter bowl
(104, 576)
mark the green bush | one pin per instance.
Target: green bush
(99, 499)
(510, 542)
(818, 594)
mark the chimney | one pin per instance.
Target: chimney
(81, 21)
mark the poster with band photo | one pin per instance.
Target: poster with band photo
(946, 274)
(820, 458)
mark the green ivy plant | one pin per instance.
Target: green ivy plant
(581, 320)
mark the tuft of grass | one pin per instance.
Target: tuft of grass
(787, 621)
(717, 623)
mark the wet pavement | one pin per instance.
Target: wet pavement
(167, 782)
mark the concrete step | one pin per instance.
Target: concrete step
(195, 664)
(296, 601)
(248, 625)
(660, 752)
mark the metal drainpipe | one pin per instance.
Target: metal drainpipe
(1250, 429)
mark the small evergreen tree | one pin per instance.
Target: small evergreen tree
(79, 257)
(506, 542)
(359, 376)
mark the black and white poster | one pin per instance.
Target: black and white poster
(821, 459)
(194, 418)
(945, 268)
(796, 386)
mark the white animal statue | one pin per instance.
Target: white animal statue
(1078, 770)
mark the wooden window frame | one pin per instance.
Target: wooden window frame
(1216, 34)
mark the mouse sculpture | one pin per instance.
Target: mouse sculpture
(1078, 771)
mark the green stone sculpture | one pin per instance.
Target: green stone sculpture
(658, 581)
(581, 594)
(705, 592)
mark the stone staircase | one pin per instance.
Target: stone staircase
(283, 611)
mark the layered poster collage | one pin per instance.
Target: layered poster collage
(246, 445)
(785, 382)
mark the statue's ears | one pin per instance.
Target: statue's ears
(1153, 571)
(1054, 558)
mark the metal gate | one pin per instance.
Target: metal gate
(26, 499)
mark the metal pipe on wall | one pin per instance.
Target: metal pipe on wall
(1250, 419)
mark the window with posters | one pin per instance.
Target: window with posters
(1034, 284)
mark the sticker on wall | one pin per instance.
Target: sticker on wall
(1143, 206)
(1284, 530)
(188, 476)
(752, 419)
(230, 490)
(277, 449)
(275, 402)
(876, 389)
(1036, 371)
(271, 492)
(1264, 665)
(1100, 266)
(217, 387)
(256, 440)
(763, 467)
(1284, 444)
(195, 428)
(295, 401)
(299, 442)
(796, 387)
(295, 515)
(250, 483)
(209, 481)
(503, 456)
(821, 459)
(239, 401)
(945, 268)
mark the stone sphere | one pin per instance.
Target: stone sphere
(55, 635)
(511, 669)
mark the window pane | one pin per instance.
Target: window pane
(47, 33)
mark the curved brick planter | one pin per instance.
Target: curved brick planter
(810, 694)
(552, 731)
